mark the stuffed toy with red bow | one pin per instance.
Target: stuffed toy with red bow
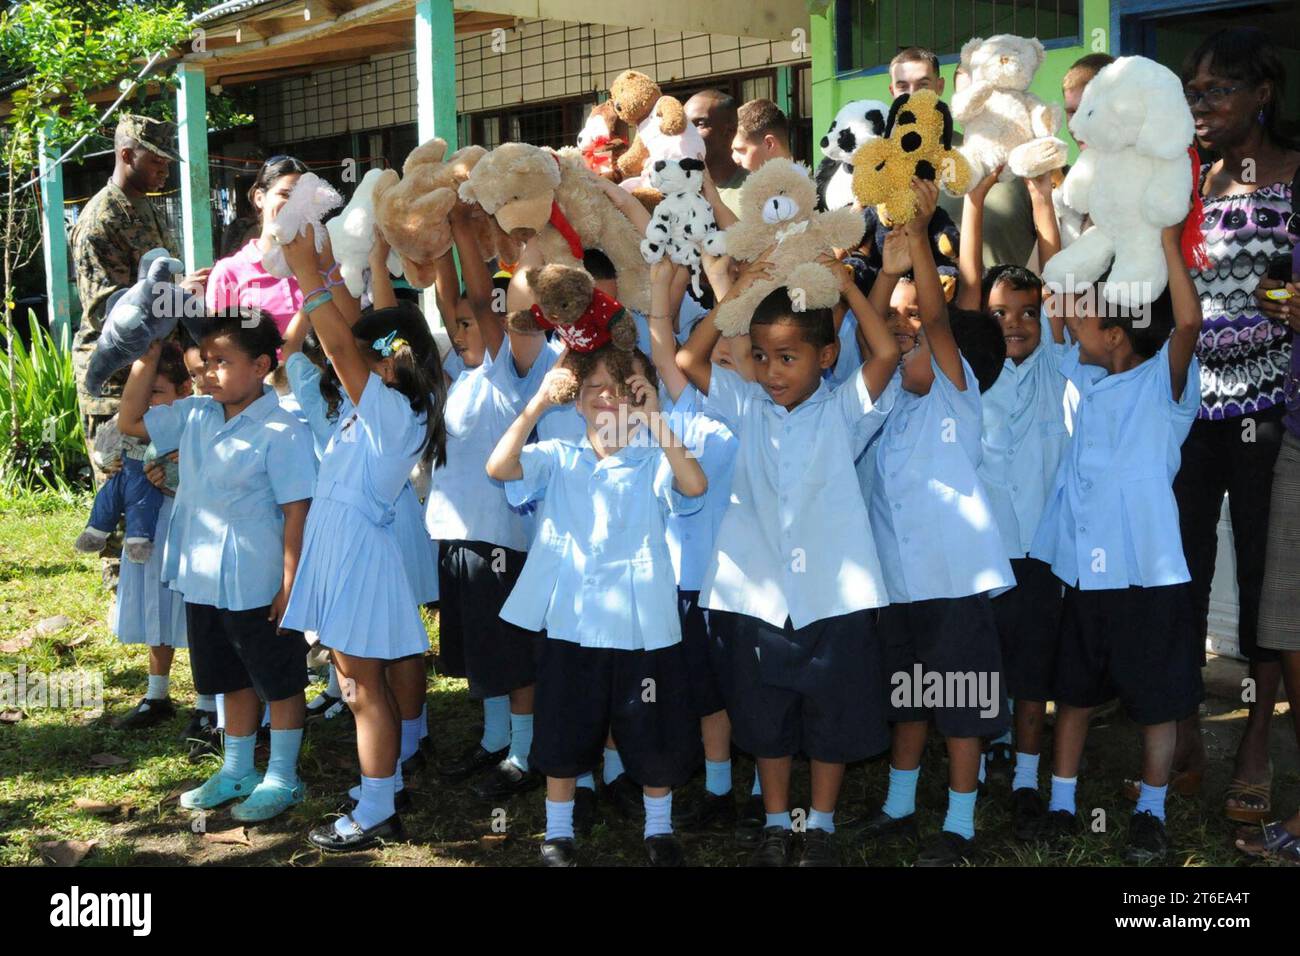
(584, 318)
(599, 142)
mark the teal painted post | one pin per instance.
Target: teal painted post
(196, 193)
(54, 244)
(785, 90)
(435, 79)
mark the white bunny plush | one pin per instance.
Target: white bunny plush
(352, 236)
(1003, 123)
(856, 123)
(682, 225)
(1133, 180)
(310, 200)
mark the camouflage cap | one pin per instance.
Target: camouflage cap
(154, 135)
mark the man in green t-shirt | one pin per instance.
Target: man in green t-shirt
(713, 113)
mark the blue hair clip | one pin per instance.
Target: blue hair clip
(385, 346)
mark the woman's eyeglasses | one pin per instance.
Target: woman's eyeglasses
(1214, 97)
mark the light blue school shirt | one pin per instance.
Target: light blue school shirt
(688, 316)
(464, 504)
(559, 422)
(225, 545)
(795, 542)
(691, 536)
(933, 524)
(598, 573)
(1028, 418)
(1111, 520)
(850, 357)
(304, 379)
(453, 365)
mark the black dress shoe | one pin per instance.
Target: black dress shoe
(664, 849)
(471, 761)
(1027, 814)
(625, 795)
(505, 780)
(884, 827)
(326, 838)
(774, 847)
(200, 721)
(1059, 827)
(709, 811)
(750, 823)
(946, 849)
(147, 713)
(559, 852)
(584, 811)
(818, 849)
(1147, 840)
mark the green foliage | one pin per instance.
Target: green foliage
(42, 446)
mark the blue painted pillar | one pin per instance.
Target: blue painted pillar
(54, 244)
(435, 77)
(196, 192)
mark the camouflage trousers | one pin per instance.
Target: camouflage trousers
(95, 411)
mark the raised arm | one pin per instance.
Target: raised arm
(478, 284)
(382, 295)
(663, 343)
(332, 279)
(970, 260)
(929, 292)
(721, 211)
(882, 349)
(333, 330)
(503, 464)
(1187, 310)
(627, 204)
(136, 392)
(1046, 228)
(688, 477)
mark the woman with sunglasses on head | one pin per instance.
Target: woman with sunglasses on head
(1234, 82)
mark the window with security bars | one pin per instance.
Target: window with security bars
(869, 32)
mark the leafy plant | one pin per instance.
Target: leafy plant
(42, 445)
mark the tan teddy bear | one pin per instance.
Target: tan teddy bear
(553, 200)
(585, 319)
(413, 212)
(778, 204)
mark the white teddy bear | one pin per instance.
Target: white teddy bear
(682, 225)
(1002, 123)
(1133, 180)
(856, 123)
(352, 236)
(310, 200)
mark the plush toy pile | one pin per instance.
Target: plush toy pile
(1134, 179)
(1003, 124)
(682, 227)
(352, 236)
(778, 205)
(312, 198)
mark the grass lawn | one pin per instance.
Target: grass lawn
(130, 811)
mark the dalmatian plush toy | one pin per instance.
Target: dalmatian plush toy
(682, 225)
(854, 124)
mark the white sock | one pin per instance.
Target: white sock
(158, 684)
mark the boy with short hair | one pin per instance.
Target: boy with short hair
(762, 133)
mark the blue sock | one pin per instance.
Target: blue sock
(717, 777)
(1062, 797)
(521, 739)
(205, 702)
(961, 813)
(239, 756)
(559, 820)
(1026, 777)
(587, 781)
(410, 739)
(283, 766)
(496, 724)
(821, 821)
(376, 803)
(900, 801)
(757, 790)
(983, 758)
(658, 814)
(424, 720)
(613, 766)
(781, 820)
(1152, 799)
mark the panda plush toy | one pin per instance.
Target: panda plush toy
(856, 123)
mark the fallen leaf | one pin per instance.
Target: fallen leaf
(11, 716)
(65, 852)
(493, 840)
(51, 624)
(98, 807)
(107, 760)
(17, 643)
(75, 642)
(236, 836)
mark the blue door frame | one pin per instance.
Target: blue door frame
(1129, 19)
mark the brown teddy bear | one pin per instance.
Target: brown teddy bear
(585, 319)
(778, 205)
(413, 212)
(603, 140)
(552, 199)
(639, 102)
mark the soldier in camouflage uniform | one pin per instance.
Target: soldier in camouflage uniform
(117, 226)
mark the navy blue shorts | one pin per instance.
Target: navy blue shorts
(1137, 644)
(701, 656)
(1029, 626)
(235, 650)
(474, 580)
(818, 690)
(641, 697)
(943, 662)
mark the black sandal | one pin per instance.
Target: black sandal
(328, 839)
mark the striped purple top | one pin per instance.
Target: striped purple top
(1244, 356)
